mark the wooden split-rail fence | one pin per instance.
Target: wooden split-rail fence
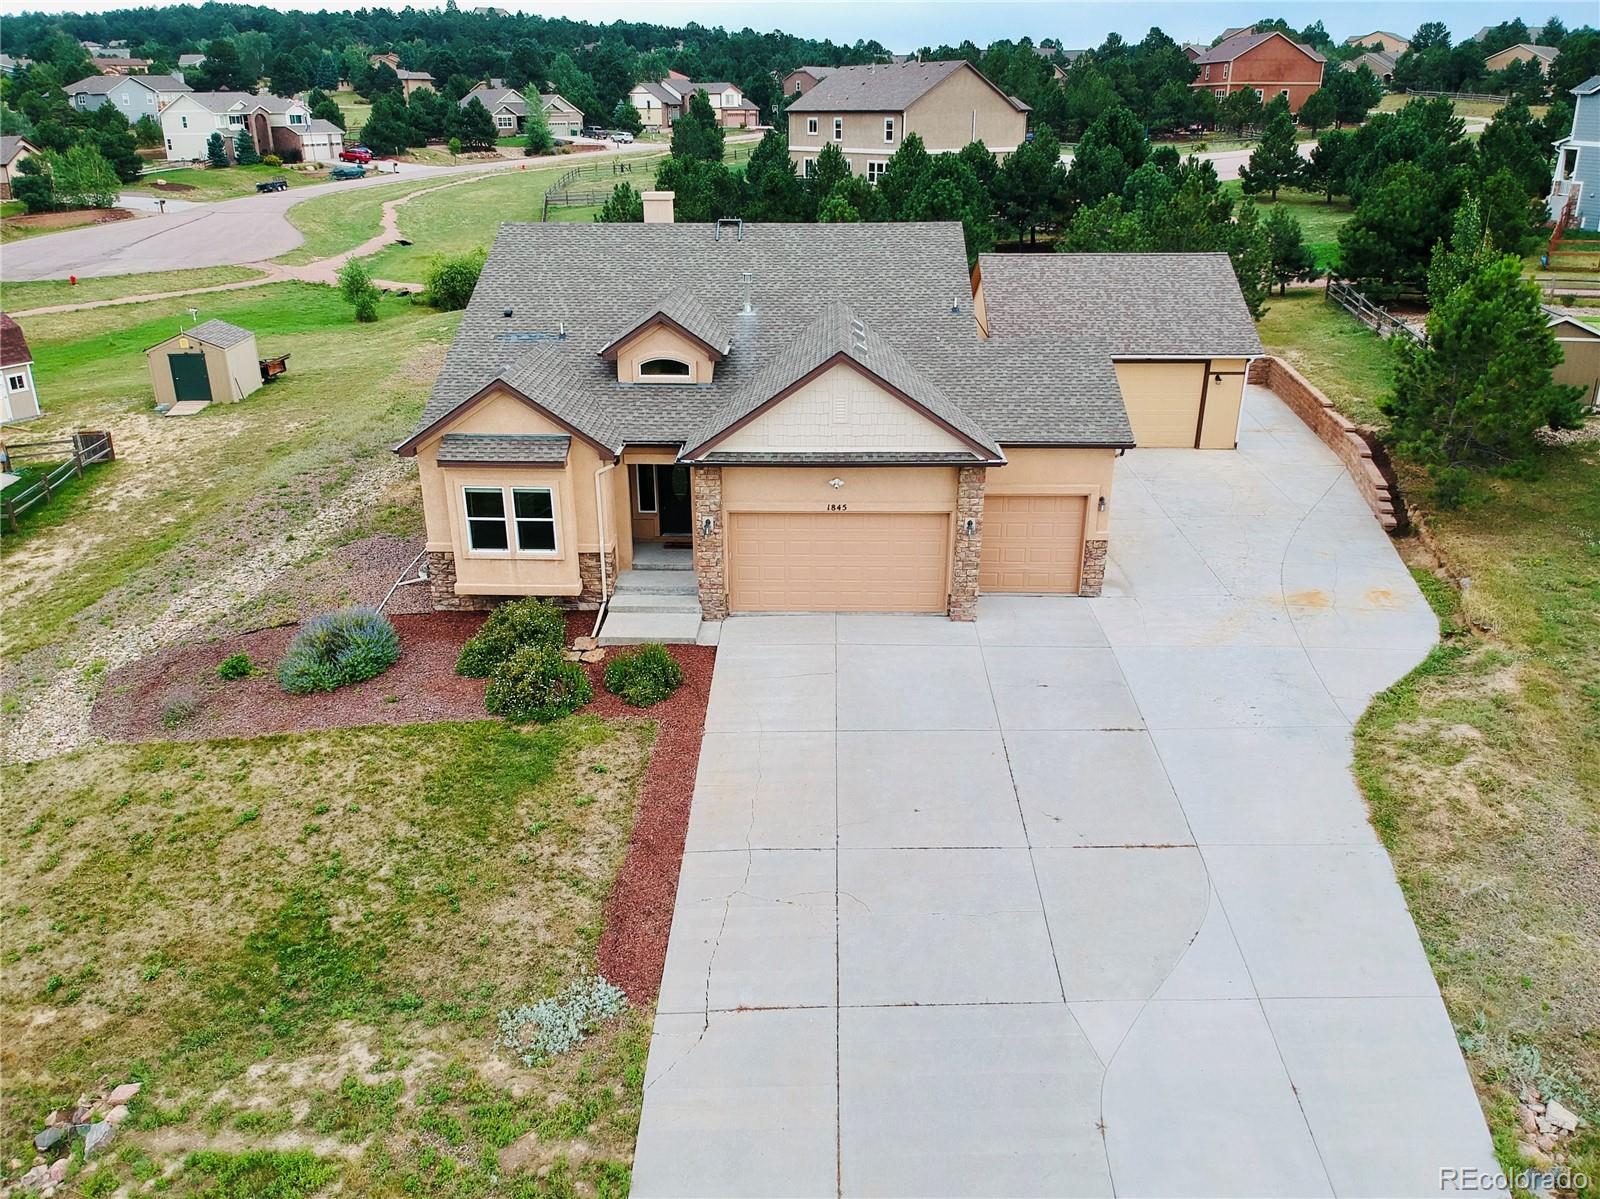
(82, 449)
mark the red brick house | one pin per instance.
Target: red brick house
(1268, 63)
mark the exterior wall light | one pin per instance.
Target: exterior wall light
(969, 526)
(1102, 503)
(836, 483)
(708, 525)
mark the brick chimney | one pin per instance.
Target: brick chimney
(658, 208)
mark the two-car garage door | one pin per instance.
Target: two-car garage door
(838, 561)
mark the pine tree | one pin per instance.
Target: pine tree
(830, 169)
(1030, 189)
(216, 151)
(472, 124)
(244, 149)
(1275, 162)
(905, 171)
(624, 205)
(776, 194)
(698, 134)
(950, 191)
(1319, 110)
(836, 208)
(626, 116)
(1291, 259)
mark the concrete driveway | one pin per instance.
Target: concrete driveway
(249, 229)
(1079, 899)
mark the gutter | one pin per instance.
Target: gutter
(600, 522)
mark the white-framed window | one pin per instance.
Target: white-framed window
(1208, 72)
(505, 120)
(888, 129)
(1284, 92)
(808, 167)
(664, 368)
(798, 89)
(645, 488)
(236, 118)
(184, 121)
(1260, 95)
(811, 126)
(838, 129)
(1222, 91)
(489, 523)
(17, 382)
(875, 170)
(296, 118)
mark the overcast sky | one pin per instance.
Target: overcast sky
(909, 24)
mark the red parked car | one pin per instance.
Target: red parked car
(355, 154)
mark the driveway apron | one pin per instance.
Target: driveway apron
(1077, 899)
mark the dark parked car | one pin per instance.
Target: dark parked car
(593, 131)
(355, 154)
(347, 172)
(273, 185)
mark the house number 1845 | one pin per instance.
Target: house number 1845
(838, 507)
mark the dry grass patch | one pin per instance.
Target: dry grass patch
(300, 944)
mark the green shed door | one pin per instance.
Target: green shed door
(189, 378)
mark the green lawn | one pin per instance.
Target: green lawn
(1331, 348)
(335, 223)
(1320, 221)
(200, 501)
(457, 219)
(1394, 101)
(19, 297)
(1482, 768)
(225, 183)
(300, 946)
(355, 111)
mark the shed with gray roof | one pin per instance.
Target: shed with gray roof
(212, 362)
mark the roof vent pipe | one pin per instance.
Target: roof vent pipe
(749, 282)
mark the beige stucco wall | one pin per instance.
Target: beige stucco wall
(1163, 401)
(577, 525)
(862, 489)
(1224, 395)
(862, 142)
(965, 109)
(840, 409)
(1049, 470)
(662, 342)
(1580, 363)
(233, 373)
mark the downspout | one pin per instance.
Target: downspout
(600, 522)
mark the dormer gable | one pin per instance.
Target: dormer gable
(678, 339)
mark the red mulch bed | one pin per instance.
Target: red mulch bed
(421, 687)
(69, 218)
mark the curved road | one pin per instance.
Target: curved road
(228, 232)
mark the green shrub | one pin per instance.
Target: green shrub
(271, 160)
(452, 280)
(510, 627)
(236, 666)
(337, 648)
(644, 676)
(537, 683)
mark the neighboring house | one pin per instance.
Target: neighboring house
(134, 96)
(190, 61)
(390, 60)
(817, 409)
(867, 111)
(1575, 185)
(214, 362)
(802, 79)
(662, 102)
(1523, 52)
(13, 150)
(122, 66)
(1379, 62)
(1380, 39)
(1580, 355)
(18, 398)
(1269, 64)
(415, 81)
(1236, 31)
(10, 66)
(1193, 50)
(509, 108)
(276, 126)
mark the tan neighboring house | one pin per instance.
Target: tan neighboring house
(661, 102)
(867, 111)
(19, 398)
(212, 363)
(1523, 52)
(826, 417)
(1379, 62)
(13, 149)
(802, 79)
(414, 81)
(388, 59)
(121, 66)
(509, 109)
(1269, 64)
(1380, 39)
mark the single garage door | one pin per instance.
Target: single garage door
(1032, 543)
(837, 562)
(1163, 400)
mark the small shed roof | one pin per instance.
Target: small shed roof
(13, 345)
(497, 449)
(213, 333)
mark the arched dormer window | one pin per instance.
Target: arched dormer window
(664, 369)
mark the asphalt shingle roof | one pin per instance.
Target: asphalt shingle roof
(571, 287)
(683, 308)
(9, 145)
(1130, 305)
(1242, 43)
(493, 97)
(99, 85)
(13, 345)
(883, 87)
(219, 333)
(524, 449)
(1588, 87)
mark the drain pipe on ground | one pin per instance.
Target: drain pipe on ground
(402, 581)
(600, 523)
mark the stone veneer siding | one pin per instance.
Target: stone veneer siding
(705, 494)
(964, 563)
(442, 585)
(1093, 575)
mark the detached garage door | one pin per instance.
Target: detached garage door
(1163, 400)
(1032, 543)
(837, 562)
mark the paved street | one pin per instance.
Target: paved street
(1079, 899)
(250, 229)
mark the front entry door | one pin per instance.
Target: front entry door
(672, 492)
(189, 378)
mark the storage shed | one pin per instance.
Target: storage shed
(1580, 355)
(214, 362)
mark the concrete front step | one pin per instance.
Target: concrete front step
(657, 582)
(649, 555)
(645, 601)
(635, 628)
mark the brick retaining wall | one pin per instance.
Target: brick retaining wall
(1358, 448)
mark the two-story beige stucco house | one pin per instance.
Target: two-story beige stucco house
(830, 417)
(867, 111)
